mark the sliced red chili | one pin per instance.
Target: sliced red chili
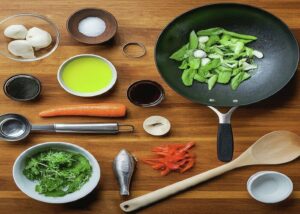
(172, 157)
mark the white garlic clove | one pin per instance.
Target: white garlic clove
(15, 32)
(203, 39)
(200, 54)
(157, 125)
(38, 38)
(21, 48)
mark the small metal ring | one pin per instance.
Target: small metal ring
(141, 45)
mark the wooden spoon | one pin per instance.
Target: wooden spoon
(274, 148)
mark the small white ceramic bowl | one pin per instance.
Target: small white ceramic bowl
(28, 187)
(269, 186)
(102, 91)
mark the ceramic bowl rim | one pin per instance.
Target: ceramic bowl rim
(91, 94)
(94, 179)
(89, 42)
(272, 173)
(11, 78)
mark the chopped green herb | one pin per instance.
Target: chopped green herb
(58, 172)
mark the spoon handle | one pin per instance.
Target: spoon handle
(149, 198)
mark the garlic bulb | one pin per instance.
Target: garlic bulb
(21, 48)
(38, 38)
(157, 125)
(16, 31)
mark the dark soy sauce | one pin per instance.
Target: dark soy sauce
(145, 93)
(22, 87)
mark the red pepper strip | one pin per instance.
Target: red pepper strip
(172, 158)
(151, 161)
(165, 171)
(188, 166)
(182, 162)
(188, 146)
(172, 166)
(158, 166)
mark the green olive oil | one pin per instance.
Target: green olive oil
(87, 74)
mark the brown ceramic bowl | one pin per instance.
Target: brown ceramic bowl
(108, 18)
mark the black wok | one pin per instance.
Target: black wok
(275, 70)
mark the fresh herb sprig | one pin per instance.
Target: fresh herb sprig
(58, 172)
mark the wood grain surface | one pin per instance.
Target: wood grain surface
(142, 21)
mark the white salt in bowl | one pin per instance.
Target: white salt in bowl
(111, 25)
(269, 187)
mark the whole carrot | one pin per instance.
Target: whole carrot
(96, 110)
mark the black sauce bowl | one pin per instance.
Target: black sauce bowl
(22, 87)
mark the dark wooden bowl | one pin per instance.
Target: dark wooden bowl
(108, 18)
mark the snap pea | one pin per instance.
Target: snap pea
(240, 36)
(224, 77)
(236, 71)
(238, 47)
(199, 78)
(184, 65)
(223, 69)
(238, 79)
(188, 76)
(179, 54)
(203, 70)
(193, 42)
(224, 39)
(194, 62)
(212, 81)
(212, 40)
(210, 31)
(216, 55)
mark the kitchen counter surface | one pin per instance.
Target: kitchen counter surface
(142, 21)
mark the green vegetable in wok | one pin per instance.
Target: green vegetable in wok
(216, 55)
(57, 172)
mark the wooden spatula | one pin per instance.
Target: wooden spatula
(274, 148)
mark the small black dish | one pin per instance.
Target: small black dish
(22, 87)
(145, 93)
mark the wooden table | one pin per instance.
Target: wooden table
(142, 21)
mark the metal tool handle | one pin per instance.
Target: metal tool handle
(97, 128)
(93, 128)
(225, 143)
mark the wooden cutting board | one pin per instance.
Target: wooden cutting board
(142, 21)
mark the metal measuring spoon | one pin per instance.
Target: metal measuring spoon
(15, 127)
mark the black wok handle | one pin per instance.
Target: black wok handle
(225, 136)
(225, 142)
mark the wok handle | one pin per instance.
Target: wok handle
(225, 141)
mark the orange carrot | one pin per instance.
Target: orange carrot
(97, 110)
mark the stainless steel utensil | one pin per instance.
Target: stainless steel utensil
(123, 167)
(15, 127)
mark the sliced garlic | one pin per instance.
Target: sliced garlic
(205, 61)
(15, 32)
(203, 39)
(157, 125)
(21, 48)
(199, 54)
(38, 38)
(258, 54)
